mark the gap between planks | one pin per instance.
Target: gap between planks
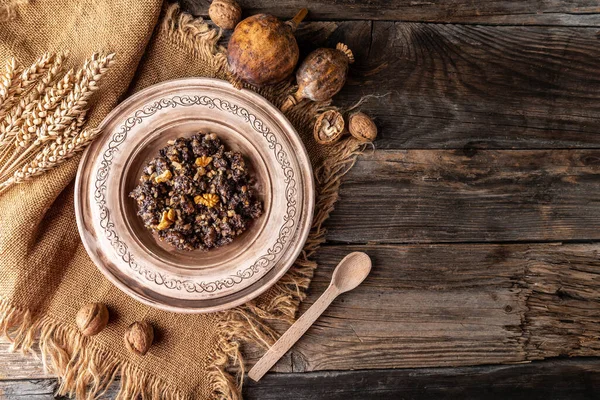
(502, 12)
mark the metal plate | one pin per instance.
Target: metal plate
(156, 273)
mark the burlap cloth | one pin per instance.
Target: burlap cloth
(45, 272)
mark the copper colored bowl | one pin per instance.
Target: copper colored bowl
(153, 271)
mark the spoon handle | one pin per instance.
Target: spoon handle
(291, 336)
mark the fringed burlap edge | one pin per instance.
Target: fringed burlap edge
(249, 322)
(84, 369)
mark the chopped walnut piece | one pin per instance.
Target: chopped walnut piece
(165, 221)
(164, 177)
(207, 199)
(203, 161)
(171, 215)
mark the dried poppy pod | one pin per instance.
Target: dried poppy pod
(329, 127)
(263, 49)
(321, 75)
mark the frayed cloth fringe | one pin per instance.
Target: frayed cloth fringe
(84, 369)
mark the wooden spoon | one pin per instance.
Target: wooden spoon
(349, 273)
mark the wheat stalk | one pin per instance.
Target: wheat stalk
(14, 132)
(23, 134)
(43, 126)
(52, 155)
(74, 106)
(73, 109)
(34, 120)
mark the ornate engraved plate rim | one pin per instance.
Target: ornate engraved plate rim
(263, 262)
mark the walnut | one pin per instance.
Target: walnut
(225, 13)
(329, 127)
(203, 161)
(207, 199)
(166, 220)
(92, 318)
(139, 337)
(164, 177)
(362, 127)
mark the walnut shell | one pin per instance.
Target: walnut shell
(139, 337)
(263, 50)
(92, 318)
(225, 13)
(329, 127)
(362, 127)
(323, 73)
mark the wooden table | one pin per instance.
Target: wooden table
(480, 207)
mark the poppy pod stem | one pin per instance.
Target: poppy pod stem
(291, 100)
(294, 22)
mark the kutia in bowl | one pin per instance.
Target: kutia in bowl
(196, 194)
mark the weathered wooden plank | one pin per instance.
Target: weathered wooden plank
(572, 379)
(33, 389)
(522, 12)
(558, 379)
(468, 195)
(461, 86)
(454, 86)
(456, 305)
(15, 365)
(447, 305)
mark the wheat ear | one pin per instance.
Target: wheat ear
(67, 118)
(7, 79)
(25, 81)
(13, 133)
(45, 128)
(21, 93)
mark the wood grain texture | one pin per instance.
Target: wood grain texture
(445, 305)
(558, 379)
(521, 12)
(573, 379)
(469, 195)
(456, 305)
(455, 86)
(468, 87)
(452, 86)
(15, 365)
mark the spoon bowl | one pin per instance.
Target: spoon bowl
(351, 271)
